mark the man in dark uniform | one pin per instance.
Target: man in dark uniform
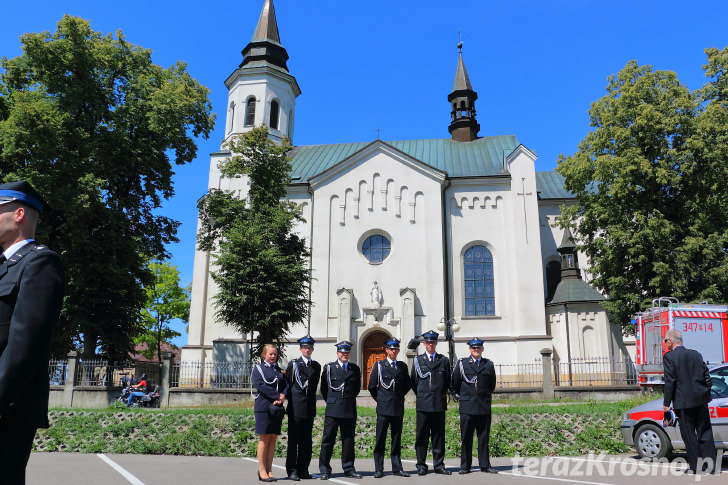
(31, 293)
(340, 384)
(303, 376)
(687, 387)
(430, 383)
(473, 378)
(388, 384)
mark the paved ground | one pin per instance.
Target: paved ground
(83, 469)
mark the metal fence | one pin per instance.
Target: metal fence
(211, 375)
(594, 371)
(105, 373)
(514, 376)
(57, 372)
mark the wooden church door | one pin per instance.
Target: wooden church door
(373, 351)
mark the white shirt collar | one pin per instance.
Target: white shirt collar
(430, 356)
(14, 248)
(305, 360)
(391, 362)
(342, 364)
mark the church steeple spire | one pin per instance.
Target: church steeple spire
(463, 125)
(266, 43)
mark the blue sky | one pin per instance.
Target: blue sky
(536, 65)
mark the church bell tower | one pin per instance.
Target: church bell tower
(463, 125)
(261, 91)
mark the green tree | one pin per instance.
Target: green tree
(166, 301)
(650, 181)
(95, 126)
(261, 265)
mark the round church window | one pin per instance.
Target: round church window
(376, 248)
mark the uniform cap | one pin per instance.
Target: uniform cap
(22, 192)
(476, 342)
(430, 336)
(392, 343)
(307, 340)
(344, 346)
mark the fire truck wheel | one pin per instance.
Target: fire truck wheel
(651, 442)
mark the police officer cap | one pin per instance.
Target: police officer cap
(430, 336)
(476, 342)
(392, 343)
(307, 340)
(22, 192)
(343, 346)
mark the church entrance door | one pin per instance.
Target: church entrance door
(373, 351)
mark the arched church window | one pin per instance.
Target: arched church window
(479, 282)
(273, 115)
(376, 248)
(553, 277)
(250, 111)
(232, 116)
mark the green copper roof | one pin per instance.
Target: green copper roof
(574, 290)
(551, 186)
(479, 158)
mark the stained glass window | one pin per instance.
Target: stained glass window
(376, 248)
(479, 286)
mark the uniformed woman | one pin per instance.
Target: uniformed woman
(272, 388)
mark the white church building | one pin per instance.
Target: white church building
(407, 234)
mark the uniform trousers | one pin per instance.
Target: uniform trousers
(430, 426)
(468, 424)
(697, 435)
(380, 443)
(298, 456)
(15, 446)
(331, 426)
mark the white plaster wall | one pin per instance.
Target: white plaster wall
(379, 193)
(265, 88)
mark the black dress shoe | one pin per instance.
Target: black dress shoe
(378, 474)
(305, 476)
(324, 476)
(401, 473)
(352, 474)
(422, 471)
(490, 469)
(294, 476)
(443, 471)
(464, 471)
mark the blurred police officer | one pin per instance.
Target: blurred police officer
(389, 381)
(474, 379)
(303, 376)
(430, 383)
(31, 294)
(340, 384)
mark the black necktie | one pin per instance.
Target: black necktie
(432, 358)
(2, 258)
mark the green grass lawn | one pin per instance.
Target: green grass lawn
(526, 429)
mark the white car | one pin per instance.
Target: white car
(642, 426)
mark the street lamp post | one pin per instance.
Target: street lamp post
(450, 326)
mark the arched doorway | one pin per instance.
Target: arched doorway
(373, 350)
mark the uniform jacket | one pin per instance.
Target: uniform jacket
(302, 401)
(431, 389)
(475, 397)
(390, 402)
(342, 403)
(31, 294)
(687, 380)
(267, 393)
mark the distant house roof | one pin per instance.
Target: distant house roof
(166, 347)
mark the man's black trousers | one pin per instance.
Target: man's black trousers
(300, 441)
(380, 443)
(331, 426)
(468, 424)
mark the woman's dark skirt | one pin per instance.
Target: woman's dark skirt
(264, 424)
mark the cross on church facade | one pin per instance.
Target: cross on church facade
(524, 194)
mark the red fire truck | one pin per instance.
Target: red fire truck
(704, 328)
